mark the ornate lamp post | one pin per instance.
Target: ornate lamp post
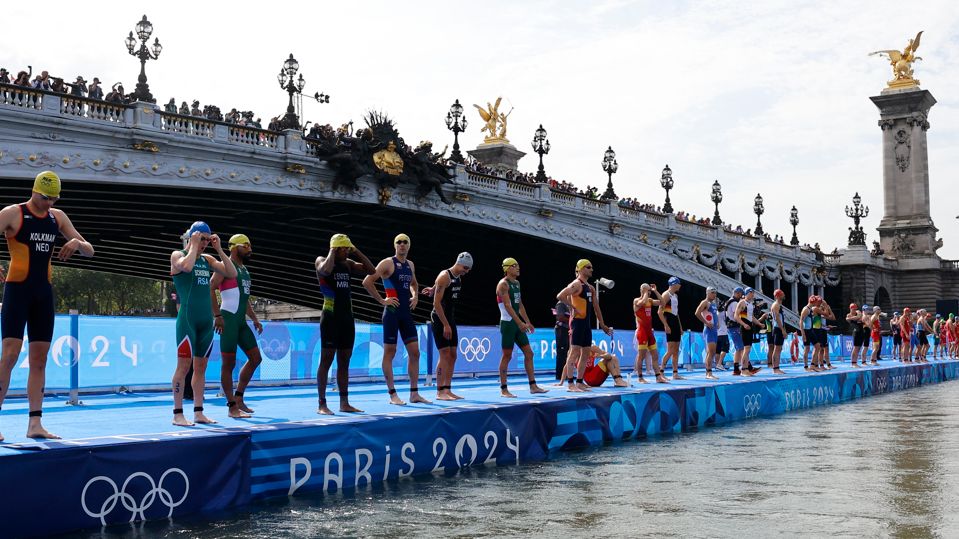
(610, 166)
(292, 85)
(717, 197)
(143, 29)
(666, 180)
(456, 122)
(758, 209)
(541, 146)
(858, 211)
(794, 220)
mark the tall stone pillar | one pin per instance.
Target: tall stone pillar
(906, 230)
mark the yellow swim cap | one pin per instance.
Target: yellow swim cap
(239, 239)
(507, 262)
(582, 263)
(47, 183)
(401, 237)
(340, 240)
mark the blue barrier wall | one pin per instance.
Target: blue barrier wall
(131, 351)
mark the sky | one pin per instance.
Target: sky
(765, 97)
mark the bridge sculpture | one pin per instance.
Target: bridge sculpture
(142, 147)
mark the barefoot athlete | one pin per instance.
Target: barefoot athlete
(646, 351)
(446, 292)
(744, 315)
(581, 298)
(31, 229)
(399, 284)
(600, 366)
(778, 329)
(192, 271)
(337, 327)
(514, 327)
(709, 316)
(229, 320)
(669, 316)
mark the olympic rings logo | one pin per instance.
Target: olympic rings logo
(475, 349)
(137, 509)
(752, 404)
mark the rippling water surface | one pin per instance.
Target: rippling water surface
(884, 466)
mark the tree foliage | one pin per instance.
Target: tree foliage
(93, 292)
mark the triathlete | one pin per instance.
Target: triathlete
(399, 284)
(229, 320)
(31, 230)
(854, 319)
(600, 366)
(192, 271)
(745, 317)
(514, 326)
(896, 335)
(337, 327)
(735, 328)
(707, 313)
(875, 323)
(581, 298)
(722, 336)
(669, 316)
(646, 352)
(906, 331)
(778, 329)
(445, 292)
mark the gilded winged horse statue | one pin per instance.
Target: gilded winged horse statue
(901, 62)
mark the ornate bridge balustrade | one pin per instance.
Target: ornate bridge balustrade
(99, 142)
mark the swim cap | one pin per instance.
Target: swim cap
(853, 306)
(812, 299)
(739, 290)
(906, 310)
(200, 227)
(748, 290)
(896, 313)
(779, 293)
(875, 308)
(951, 315)
(938, 315)
(865, 307)
(711, 289)
(507, 262)
(582, 263)
(465, 259)
(47, 183)
(239, 239)
(401, 237)
(673, 280)
(340, 240)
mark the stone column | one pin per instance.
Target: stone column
(906, 229)
(794, 294)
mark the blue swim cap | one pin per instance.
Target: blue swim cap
(739, 289)
(748, 290)
(865, 307)
(896, 313)
(674, 280)
(938, 316)
(200, 227)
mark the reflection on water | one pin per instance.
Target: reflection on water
(885, 466)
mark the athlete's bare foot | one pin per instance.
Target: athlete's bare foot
(874, 362)
(240, 405)
(201, 419)
(38, 432)
(806, 368)
(395, 399)
(711, 376)
(455, 396)
(583, 387)
(1, 437)
(574, 388)
(445, 396)
(855, 365)
(619, 382)
(778, 371)
(417, 398)
(642, 380)
(747, 372)
(350, 409)
(507, 394)
(236, 413)
(536, 390)
(180, 421)
(676, 376)
(324, 410)
(660, 379)
(561, 383)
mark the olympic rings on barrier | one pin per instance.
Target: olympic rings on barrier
(752, 404)
(129, 502)
(475, 349)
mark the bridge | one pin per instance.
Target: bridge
(135, 177)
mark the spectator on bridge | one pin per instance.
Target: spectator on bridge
(58, 86)
(4, 76)
(170, 107)
(195, 109)
(184, 109)
(23, 79)
(79, 87)
(42, 81)
(116, 94)
(94, 91)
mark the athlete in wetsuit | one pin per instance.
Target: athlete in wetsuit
(745, 317)
(401, 288)
(514, 326)
(708, 314)
(646, 352)
(669, 316)
(229, 320)
(580, 297)
(192, 271)
(337, 327)
(445, 292)
(31, 230)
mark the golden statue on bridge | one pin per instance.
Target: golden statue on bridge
(902, 64)
(495, 122)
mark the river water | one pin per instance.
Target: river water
(886, 466)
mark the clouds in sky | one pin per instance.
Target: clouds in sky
(768, 97)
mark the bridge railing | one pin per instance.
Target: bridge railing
(21, 96)
(190, 126)
(949, 264)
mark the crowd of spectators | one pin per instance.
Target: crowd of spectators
(515, 176)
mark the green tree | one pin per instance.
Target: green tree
(92, 292)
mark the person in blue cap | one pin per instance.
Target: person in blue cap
(192, 271)
(669, 316)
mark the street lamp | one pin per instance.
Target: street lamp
(666, 180)
(541, 146)
(293, 85)
(717, 197)
(610, 166)
(758, 209)
(794, 220)
(456, 122)
(143, 29)
(858, 211)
